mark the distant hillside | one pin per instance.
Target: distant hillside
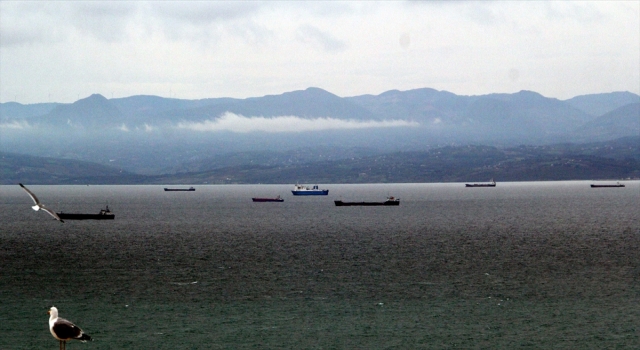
(622, 121)
(619, 159)
(525, 114)
(448, 164)
(16, 168)
(599, 104)
(425, 105)
(14, 110)
(269, 158)
(145, 105)
(309, 103)
(154, 135)
(93, 112)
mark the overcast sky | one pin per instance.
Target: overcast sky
(61, 51)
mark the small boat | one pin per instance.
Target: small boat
(179, 189)
(258, 199)
(299, 190)
(491, 183)
(104, 214)
(607, 185)
(390, 201)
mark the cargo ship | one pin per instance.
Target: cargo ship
(104, 214)
(390, 201)
(491, 183)
(179, 189)
(299, 190)
(605, 185)
(259, 199)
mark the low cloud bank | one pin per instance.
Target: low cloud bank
(241, 124)
(14, 125)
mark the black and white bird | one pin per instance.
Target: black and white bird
(64, 330)
(39, 205)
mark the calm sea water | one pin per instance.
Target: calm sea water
(527, 264)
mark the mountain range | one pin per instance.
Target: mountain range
(154, 136)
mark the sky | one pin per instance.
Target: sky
(63, 51)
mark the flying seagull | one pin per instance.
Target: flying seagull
(64, 330)
(39, 205)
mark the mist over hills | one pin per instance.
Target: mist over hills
(618, 159)
(152, 135)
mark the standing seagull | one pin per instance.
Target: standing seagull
(64, 330)
(39, 205)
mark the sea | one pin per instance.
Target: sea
(534, 265)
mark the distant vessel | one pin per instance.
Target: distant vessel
(491, 183)
(180, 189)
(276, 199)
(389, 201)
(605, 185)
(104, 214)
(299, 190)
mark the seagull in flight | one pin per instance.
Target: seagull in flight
(39, 205)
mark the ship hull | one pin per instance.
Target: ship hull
(267, 200)
(480, 185)
(604, 186)
(310, 193)
(70, 216)
(366, 204)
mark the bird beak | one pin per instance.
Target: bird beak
(49, 312)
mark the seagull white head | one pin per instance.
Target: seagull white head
(53, 312)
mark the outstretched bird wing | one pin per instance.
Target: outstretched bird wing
(39, 205)
(33, 196)
(52, 213)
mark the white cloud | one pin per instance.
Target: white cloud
(15, 125)
(123, 127)
(240, 124)
(315, 37)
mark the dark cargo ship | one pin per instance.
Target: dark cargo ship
(259, 199)
(607, 185)
(390, 201)
(491, 183)
(179, 189)
(104, 214)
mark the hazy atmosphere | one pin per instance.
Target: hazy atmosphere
(320, 174)
(64, 51)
